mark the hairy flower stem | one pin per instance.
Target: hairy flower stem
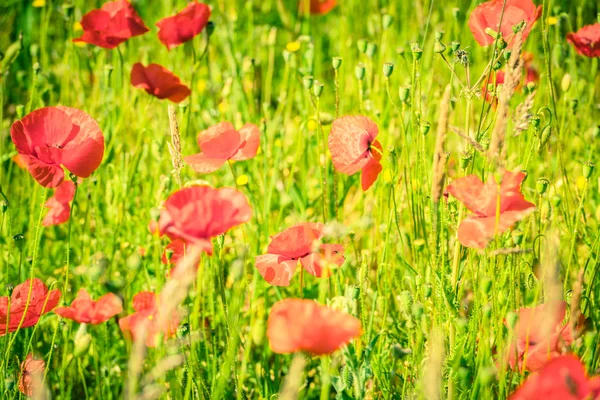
(574, 237)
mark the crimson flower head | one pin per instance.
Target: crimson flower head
(53, 136)
(318, 7)
(32, 375)
(221, 143)
(562, 378)
(40, 302)
(487, 15)
(540, 335)
(60, 209)
(111, 25)
(353, 148)
(587, 40)
(479, 228)
(198, 213)
(145, 319)
(303, 325)
(300, 243)
(159, 82)
(87, 311)
(184, 26)
(531, 75)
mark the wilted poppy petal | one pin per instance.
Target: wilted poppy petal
(250, 136)
(276, 272)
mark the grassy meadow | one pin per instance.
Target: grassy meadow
(436, 317)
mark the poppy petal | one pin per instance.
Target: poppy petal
(276, 272)
(250, 134)
(202, 164)
(370, 172)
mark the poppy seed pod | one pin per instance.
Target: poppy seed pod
(439, 35)
(465, 159)
(416, 50)
(404, 93)
(308, 81)
(455, 45)
(541, 185)
(501, 44)
(507, 55)
(336, 62)
(425, 127)
(588, 169)
(318, 88)
(497, 66)
(19, 241)
(359, 71)
(371, 49)
(535, 121)
(386, 21)
(439, 47)
(388, 68)
(362, 45)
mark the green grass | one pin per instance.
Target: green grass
(395, 279)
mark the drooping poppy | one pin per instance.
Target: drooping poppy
(299, 244)
(111, 25)
(59, 204)
(531, 75)
(53, 136)
(487, 15)
(586, 40)
(221, 143)
(147, 309)
(32, 375)
(183, 26)
(87, 311)
(303, 325)
(198, 213)
(159, 82)
(562, 378)
(479, 228)
(18, 308)
(318, 7)
(353, 148)
(540, 335)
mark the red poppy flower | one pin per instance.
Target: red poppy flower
(60, 209)
(587, 40)
(303, 325)
(531, 75)
(563, 378)
(221, 143)
(147, 313)
(53, 136)
(540, 335)
(487, 15)
(318, 7)
(40, 302)
(353, 148)
(479, 228)
(87, 311)
(198, 213)
(300, 243)
(111, 25)
(184, 26)
(159, 82)
(32, 375)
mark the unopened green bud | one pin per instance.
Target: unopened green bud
(210, 28)
(416, 50)
(486, 285)
(82, 344)
(464, 159)
(507, 55)
(486, 311)
(3, 206)
(535, 121)
(134, 262)
(336, 62)
(517, 237)
(427, 290)
(565, 83)
(371, 49)
(545, 136)
(455, 45)
(308, 81)
(359, 71)
(492, 33)
(511, 319)
(417, 310)
(404, 93)
(425, 127)
(387, 20)
(455, 12)
(573, 105)
(497, 66)
(388, 68)
(541, 185)
(419, 244)
(362, 45)
(439, 35)
(439, 47)
(318, 88)
(19, 241)
(556, 200)
(501, 44)
(588, 169)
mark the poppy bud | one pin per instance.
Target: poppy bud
(362, 45)
(417, 310)
(486, 285)
(573, 104)
(20, 110)
(82, 344)
(502, 44)
(19, 241)
(507, 55)
(404, 93)
(455, 45)
(308, 82)
(497, 66)
(439, 47)
(541, 185)
(425, 127)
(556, 200)
(134, 262)
(588, 169)
(464, 159)
(427, 290)
(492, 33)
(371, 49)
(359, 71)
(388, 68)
(326, 119)
(535, 121)
(318, 88)
(3, 206)
(416, 50)
(210, 28)
(502, 297)
(486, 311)
(565, 83)
(517, 237)
(336, 62)
(545, 136)
(387, 20)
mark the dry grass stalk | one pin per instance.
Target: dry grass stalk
(175, 145)
(474, 143)
(523, 115)
(576, 302)
(293, 380)
(514, 71)
(439, 156)
(432, 379)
